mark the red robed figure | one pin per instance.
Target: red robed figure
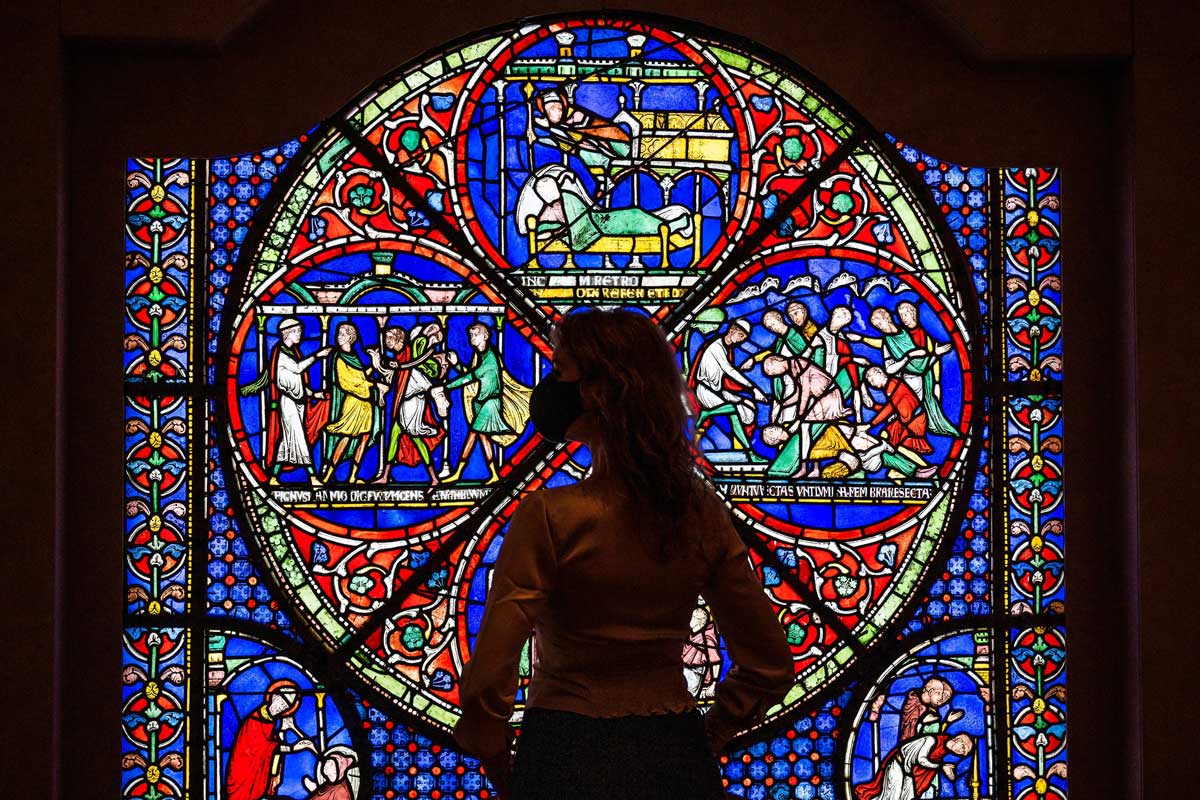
(252, 772)
(907, 427)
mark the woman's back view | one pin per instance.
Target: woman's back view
(606, 575)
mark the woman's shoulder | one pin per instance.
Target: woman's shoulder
(565, 509)
(588, 487)
(600, 496)
(575, 496)
(706, 503)
(558, 498)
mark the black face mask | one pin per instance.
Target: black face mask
(554, 405)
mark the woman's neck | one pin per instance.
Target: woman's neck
(601, 471)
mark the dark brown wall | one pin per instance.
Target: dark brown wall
(299, 61)
(1164, 170)
(30, 402)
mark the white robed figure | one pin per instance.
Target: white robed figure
(713, 367)
(413, 404)
(289, 377)
(717, 386)
(414, 432)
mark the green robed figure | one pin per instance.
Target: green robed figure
(915, 365)
(497, 406)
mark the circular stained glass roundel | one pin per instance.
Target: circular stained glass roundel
(393, 308)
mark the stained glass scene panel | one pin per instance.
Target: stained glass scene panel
(328, 374)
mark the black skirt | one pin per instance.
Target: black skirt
(566, 756)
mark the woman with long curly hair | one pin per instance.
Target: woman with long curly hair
(605, 574)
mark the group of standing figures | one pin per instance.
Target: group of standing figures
(820, 386)
(833, 413)
(397, 396)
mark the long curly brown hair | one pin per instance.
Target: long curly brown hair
(626, 363)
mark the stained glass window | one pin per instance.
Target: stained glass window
(329, 350)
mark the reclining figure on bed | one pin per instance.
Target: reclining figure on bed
(557, 215)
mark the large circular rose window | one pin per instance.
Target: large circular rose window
(398, 290)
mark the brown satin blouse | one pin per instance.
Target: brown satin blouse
(610, 619)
